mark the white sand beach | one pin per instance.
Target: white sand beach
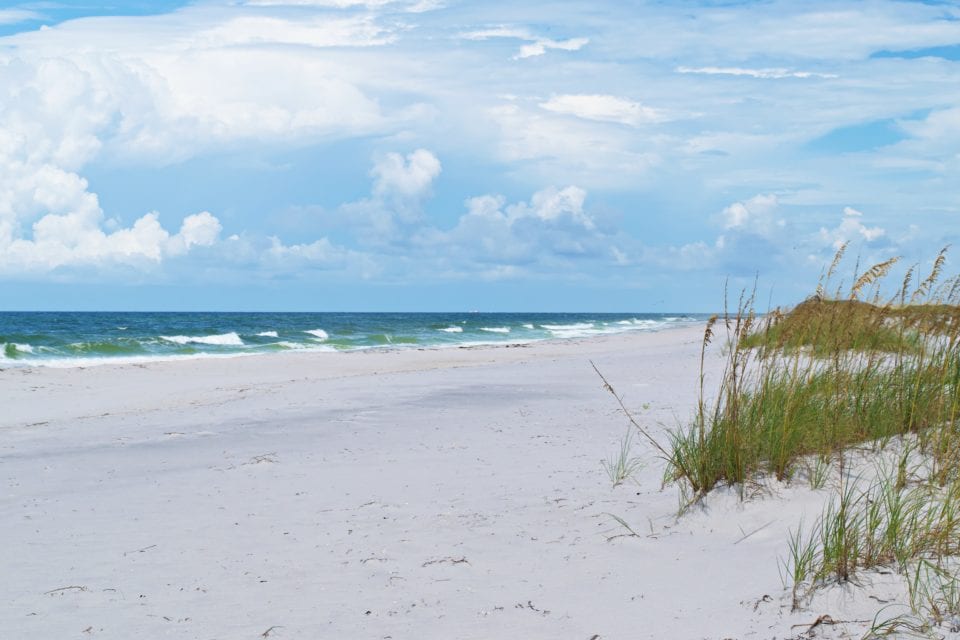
(445, 493)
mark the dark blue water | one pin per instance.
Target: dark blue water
(74, 339)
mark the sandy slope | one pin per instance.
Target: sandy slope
(425, 494)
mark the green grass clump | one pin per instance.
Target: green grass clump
(801, 391)
(623, 464)
(911, 528)
(825, 325)
(839, 373)
(832, 374)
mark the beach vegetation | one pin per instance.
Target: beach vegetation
(849, 375)
(830, 374)
(909, 529)
(623, 464)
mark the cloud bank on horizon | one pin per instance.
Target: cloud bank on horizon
(646, 151)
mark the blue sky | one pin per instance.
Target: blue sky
(445, 154)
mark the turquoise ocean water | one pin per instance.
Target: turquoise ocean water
(67, 339)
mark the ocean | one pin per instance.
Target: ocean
(70, 339)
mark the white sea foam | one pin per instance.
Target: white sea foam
(222, 339)
(575, 330)
(528, 326)
(320, 334)
(305, 347)
(71, 363)
(17, 347)
(587, 329)
(496, 329)
(269, 334)
(568, 327)
(452, 329)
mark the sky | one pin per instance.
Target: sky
(428, 155)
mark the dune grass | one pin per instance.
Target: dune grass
(840, 377)
(830, 374)
(898, 521)
(623, 464)
(814, 392)
(824, 325)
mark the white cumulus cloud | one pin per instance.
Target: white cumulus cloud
(850, 229)
(49, 219)
(551, 230)
(200, 229)
(756, 215)
(76, 240)
(401, 184)
(160, 89)
(552, 204)
(169, 87)
(408, 177)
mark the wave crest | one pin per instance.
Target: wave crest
(222, 339)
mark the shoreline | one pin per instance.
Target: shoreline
(73, 339)
(180, 377)
(135, 360)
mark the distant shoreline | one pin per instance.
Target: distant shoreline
(69, 340)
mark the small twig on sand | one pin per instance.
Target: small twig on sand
(622, 523)
(757, 530)
(266, 634)
(529, 605)
(609, 387)
(59, 589)
(263, 457)
(152, 546)
(462, 560)
(826, 619)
